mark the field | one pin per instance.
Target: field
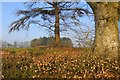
(57, 63)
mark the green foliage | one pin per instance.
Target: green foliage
(35, 42)
(57, 63)
(66, 42)
(49, 41)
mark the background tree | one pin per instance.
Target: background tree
(43, 41)
(15, 44)
(66, 42)
(84, 34)
(54, 15)
(35, 42)
(25, 44)
(5, 44)
(49, 41)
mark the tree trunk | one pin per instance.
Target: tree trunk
(106, 29)
(57, 29)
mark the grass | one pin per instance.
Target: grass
(57, 63)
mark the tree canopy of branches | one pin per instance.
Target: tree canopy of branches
(56, 16)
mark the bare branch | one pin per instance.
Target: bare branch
(77, 9)
(49, 2)
(16, 25)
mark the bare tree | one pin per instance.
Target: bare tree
(84, 37)
(55, 15)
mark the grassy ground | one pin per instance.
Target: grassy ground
(57, 63)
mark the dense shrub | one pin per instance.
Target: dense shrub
(50, 41)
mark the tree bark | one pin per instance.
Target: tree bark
(106, 28)
(57, 29)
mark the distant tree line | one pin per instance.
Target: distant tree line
(49, 41)
(15, 44)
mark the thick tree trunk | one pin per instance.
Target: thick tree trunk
(106, 29)
(57, 29)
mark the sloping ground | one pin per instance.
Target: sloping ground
(57, 63)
